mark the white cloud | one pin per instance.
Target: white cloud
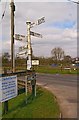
(70, 33)
(36, 1)
(52, 36)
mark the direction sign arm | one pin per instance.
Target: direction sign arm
(38, 22)
(41, 20)
(35, 34)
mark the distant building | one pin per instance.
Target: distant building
(75, 60)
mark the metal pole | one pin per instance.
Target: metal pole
(12, 36)
(29, 59)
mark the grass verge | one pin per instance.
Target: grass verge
(56, 70)
(48, 69)
(44, 105)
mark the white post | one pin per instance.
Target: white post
(29, 61)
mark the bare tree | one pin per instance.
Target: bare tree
(6, 56)
(57, 54)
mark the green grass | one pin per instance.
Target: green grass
(51, 70)
(44, 105)
(0, 110)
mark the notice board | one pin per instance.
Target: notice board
(8, 88)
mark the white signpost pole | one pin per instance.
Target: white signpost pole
(29, 61)
(29, 52)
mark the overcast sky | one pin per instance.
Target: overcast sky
(58, 30)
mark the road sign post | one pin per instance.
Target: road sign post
(31, 78)
(29, 61)
(29, 52)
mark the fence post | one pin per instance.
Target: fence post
(26, 88)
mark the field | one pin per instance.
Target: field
(54, 70)
(44, 105)
(0, 110)
(49, 69)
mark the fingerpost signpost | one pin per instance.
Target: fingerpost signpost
(32, 76)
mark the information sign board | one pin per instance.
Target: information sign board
(8, 88)
(35, 62)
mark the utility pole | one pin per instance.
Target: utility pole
(29, 59)
(12, 36)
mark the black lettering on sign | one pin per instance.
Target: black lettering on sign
(42, 20)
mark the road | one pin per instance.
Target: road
(64, 87)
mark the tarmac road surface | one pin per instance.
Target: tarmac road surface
(64, 88)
